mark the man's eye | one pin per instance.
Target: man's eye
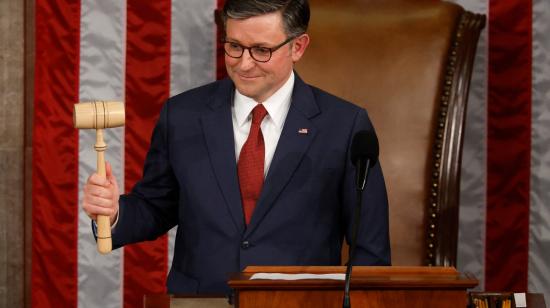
(234, 46)
(261, 51)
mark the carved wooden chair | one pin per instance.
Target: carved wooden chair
(409, 63)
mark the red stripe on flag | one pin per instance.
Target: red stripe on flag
(147, 87)
(55, 155)
(220, 54)
(508, 145)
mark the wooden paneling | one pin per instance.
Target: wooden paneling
(11, 153)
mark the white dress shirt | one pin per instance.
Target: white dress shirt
(277, 106)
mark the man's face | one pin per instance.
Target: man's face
(255, 79)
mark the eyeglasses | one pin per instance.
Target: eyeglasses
(260, 54)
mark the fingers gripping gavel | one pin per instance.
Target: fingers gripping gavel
(100, 115)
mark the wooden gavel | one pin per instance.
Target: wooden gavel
(100, 115)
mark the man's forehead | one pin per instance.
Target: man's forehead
(259, 28)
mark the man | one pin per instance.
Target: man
(254, 169)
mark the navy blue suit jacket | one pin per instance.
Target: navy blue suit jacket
(306, 204)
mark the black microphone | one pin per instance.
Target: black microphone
(364, 155)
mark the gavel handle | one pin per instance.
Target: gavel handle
(104, 242)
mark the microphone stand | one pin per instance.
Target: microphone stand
(361, 179)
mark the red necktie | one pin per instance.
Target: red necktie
(251, 163)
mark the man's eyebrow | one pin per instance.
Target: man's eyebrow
(258, 44)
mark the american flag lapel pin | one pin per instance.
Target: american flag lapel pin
(303, 131)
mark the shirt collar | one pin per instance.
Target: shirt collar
(277, 105)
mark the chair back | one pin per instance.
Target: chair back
(409, 64)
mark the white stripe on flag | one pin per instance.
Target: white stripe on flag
(471, 237)
(102, 30)
(193, 39)
(192, 60)
(539, 229)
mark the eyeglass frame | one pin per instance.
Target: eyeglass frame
(249, 48)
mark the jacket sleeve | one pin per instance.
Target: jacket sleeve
(151, 208)
(373, 244)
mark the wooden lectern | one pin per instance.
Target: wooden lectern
(370, 287)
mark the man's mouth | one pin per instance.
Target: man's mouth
(247, 77)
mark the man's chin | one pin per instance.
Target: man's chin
(245, 88)
(247, 92)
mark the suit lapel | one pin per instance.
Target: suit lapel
(218, 132)
(296, 137)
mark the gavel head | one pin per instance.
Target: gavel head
(98, 114)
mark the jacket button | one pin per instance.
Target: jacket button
(245, 245)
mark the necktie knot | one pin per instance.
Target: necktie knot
(258, 114)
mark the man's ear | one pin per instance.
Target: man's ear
(299, 46)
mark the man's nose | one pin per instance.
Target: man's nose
(247, 61)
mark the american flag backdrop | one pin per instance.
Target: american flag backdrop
(142, 52)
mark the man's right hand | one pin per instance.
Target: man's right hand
(101, 195)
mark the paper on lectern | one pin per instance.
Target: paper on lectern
(280, 276)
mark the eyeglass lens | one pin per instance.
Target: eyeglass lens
(235, 50)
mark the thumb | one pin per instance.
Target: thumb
(108, 170)
(109, 175)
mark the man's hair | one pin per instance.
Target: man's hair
(295, 13)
